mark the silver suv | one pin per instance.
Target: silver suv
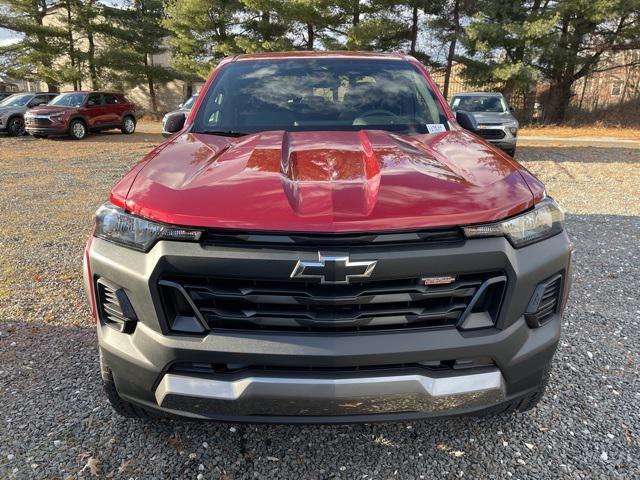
(496, 123)
(13, 108)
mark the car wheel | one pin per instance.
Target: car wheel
(128, 125)
(15, 127)
(77, 130)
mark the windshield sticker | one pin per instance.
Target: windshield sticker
(435, 128)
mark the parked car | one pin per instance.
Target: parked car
(4, 95)
(77, 113)
(323, 241)
(496, 123)
(14, 107)
(183, 107)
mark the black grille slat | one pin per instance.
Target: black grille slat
(491, 133)
(112, 312)
(296, 305)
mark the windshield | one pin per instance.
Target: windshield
(16, 100)
(319, 94)
(480, 103)
(189, 103)
(69, 100)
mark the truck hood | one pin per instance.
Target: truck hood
(325, 182)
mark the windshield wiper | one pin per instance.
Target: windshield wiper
(224, 133)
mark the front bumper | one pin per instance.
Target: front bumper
(46, 130)
(498, 135)
(142, 362)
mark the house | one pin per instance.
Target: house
(8, 85)
(618, 82)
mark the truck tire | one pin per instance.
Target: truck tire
(523, 404)
(122, 407)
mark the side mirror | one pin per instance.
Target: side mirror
(173, 123)
(180, 105)
(466, 120)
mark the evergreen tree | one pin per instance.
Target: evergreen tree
(202, 33)
(559, 41)
(136, 35)
(33, 56)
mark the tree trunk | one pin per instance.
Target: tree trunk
(91, 52)
(91, 56)
(559, 98)
(414, 30)
(447, 72)
(72, 53)
(310, 36)
(356, 12)
(452, 47)
(152, 89)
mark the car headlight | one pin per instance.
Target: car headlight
(544, 221)
(115, 225)
(57, 118)
(513, 127)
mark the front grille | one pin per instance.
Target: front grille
(40, 122)
(319, 241)
(491, 133)
(199, 368)
(302, 306)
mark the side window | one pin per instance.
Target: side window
(39, 100)
(94, 100)
(110, 99)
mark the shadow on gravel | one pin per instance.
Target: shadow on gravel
(578, 154)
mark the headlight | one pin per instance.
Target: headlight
(117, 226)
(544, 221)
(57, 118)
(513, 127)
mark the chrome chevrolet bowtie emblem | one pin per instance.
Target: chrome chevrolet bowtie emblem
(333, 270)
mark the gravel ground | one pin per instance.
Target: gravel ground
(56, 423)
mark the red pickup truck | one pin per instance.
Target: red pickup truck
(323, 240)
(77, 113)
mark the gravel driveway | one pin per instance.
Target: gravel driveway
(56, 423)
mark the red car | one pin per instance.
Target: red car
(77, 113)
(323, 240)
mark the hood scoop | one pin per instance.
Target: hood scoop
(318, 177)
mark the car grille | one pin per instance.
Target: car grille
(302, 306)
(38, 122)
(491, 133)
(317, 241)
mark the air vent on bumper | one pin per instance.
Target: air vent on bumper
(116, 310)
(544, 302)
